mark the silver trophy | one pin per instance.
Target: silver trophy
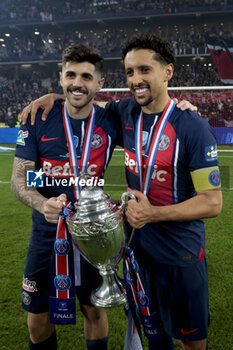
(97, 230)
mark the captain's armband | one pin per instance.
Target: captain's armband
(206, 178)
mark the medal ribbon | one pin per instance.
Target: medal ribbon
(61, 259)
(144, 311)
(146, 174)
(71, 145)
(62, 301)
(139, 300)
(62, 288)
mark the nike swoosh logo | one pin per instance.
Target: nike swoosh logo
(127, 127)
(188, 332)
(48, 139)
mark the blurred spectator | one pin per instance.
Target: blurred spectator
(49, 45)
(49, 42)
(186, 39)
(216, 107)
(47, 10)
(16, 95)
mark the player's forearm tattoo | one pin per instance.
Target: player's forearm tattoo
(29, 196)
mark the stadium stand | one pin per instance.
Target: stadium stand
(32, 37)
(45, 10)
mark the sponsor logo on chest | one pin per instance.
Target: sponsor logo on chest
(58, 168)
(159, 174)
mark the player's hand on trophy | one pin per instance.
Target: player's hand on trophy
(138, 213)
(53, 207)
(45, 102)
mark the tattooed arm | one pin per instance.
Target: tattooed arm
(50, 208)
(29, 196)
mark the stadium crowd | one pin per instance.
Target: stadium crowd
(17, 93)
(48, 10)
(49, 45)
(26, 45)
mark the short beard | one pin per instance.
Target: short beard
(147, 102)
(83, 105)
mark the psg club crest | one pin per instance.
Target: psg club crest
(214, 178)
(142, 299)
(61, 246)
(164, 143)
(129, 278)
(96, 141)
(26, 298)
(62, 282)
(144, 138)
(76, 141)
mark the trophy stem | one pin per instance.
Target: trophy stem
(111, 292)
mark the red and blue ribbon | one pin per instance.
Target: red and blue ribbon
(62, 288)
(145, 173)
(140, 303)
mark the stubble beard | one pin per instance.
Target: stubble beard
(145, 103)
(76, 103)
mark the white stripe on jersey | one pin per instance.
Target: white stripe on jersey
(108, 152)
(82, 134)
(175, 170)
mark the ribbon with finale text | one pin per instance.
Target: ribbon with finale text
(62, 285)
(141, 307)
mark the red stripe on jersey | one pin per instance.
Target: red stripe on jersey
(161, 190)
(161, 186)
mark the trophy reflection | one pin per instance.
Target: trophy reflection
(97, 230)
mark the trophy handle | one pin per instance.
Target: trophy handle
(123, 197)
(63, 203)
(123, 206)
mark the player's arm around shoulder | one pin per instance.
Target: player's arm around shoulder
(45, 103)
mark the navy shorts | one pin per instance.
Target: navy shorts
(35, 296)
(180, 296)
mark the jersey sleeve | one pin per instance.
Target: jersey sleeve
(202, 155)
(26, 146)
(114, 107)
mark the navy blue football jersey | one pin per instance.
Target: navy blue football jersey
(45, 144)
(186, 162)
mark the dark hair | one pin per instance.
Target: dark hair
(83, 53)
(162, 48)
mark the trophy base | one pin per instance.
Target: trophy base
(111, 293)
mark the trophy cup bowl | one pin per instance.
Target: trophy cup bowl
(97, 230)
